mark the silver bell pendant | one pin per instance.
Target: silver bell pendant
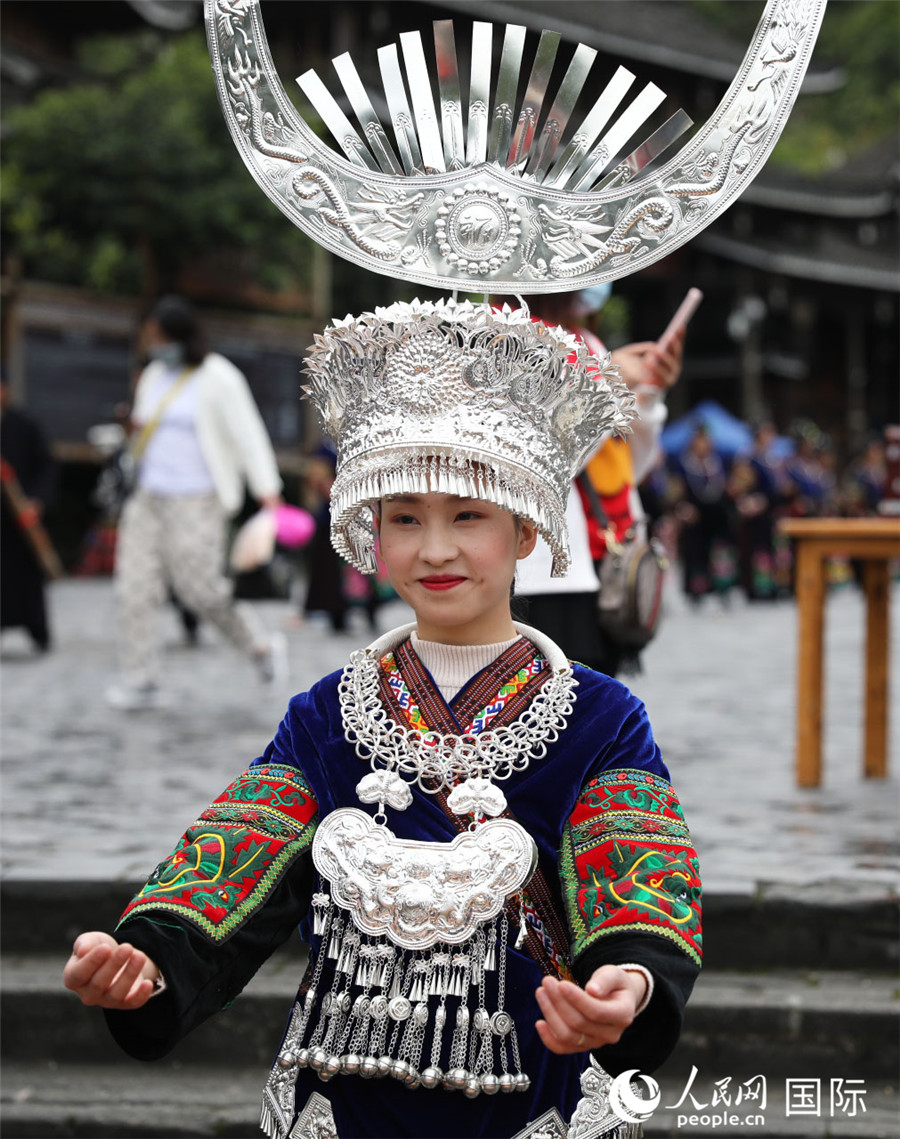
(455, 1079)
(317, 1058)
(431, 1077)
(330, 1068)
(399, 1069)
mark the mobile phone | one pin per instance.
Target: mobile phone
(683, 314)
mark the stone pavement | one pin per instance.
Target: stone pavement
(94, 794)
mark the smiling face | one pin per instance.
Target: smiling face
(452, 559)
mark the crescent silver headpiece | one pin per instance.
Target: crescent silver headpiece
(512, 198)
(463, 399)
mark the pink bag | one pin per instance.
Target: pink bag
(293, 527)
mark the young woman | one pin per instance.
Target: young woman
(198, 438)
(479, 838)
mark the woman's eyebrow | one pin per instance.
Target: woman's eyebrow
(415, 499)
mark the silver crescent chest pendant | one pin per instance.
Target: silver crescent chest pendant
(414, 893)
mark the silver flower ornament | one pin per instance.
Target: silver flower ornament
(384, 787)
(477, 796)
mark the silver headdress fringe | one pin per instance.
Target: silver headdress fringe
(464, 399)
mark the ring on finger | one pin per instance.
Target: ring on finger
(581, 1041)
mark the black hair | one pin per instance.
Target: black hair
(178, 319)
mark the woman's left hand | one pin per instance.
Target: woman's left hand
(578, 1020)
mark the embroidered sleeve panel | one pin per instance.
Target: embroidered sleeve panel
(230, 860)
(628, 864)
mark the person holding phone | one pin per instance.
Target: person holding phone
(566, 608)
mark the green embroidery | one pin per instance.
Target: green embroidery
(227, 864)
(627, 863)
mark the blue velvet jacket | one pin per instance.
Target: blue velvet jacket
(620, 874)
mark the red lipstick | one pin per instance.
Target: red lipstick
(441, 581)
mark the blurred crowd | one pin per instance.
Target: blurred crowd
(196, 442)
(717, 513)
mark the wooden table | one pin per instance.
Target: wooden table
(874, 541)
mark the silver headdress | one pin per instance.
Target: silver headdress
(502, 194)
(461, 399)
(514, 197)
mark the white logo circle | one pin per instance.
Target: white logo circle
(631, 1108)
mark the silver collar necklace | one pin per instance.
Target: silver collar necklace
(464, 764)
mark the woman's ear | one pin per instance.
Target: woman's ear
(527, 538)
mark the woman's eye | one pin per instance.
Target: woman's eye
(404, 519)
(467, 515)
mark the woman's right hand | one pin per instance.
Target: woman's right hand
(103, 972)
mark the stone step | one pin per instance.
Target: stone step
(150, 1101)
(831, 925)
(835, 1024)
(41, 1020)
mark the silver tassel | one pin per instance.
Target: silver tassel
(456, 989)
(348, 954)
(320, 911)
(490, 957)
(421, 970)
(439, 976)
(334, 941)
(357, 1032)
(523, 927)
(385, 957)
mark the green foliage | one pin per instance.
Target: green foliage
(863, 38)
(613, 322)
(118, 181)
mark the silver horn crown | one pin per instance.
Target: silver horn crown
(515, 197)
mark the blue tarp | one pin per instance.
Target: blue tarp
(730, 436)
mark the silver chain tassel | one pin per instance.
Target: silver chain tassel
(375, 1018)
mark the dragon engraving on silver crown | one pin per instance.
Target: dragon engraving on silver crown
(609, 234)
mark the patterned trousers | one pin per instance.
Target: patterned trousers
(176, 542)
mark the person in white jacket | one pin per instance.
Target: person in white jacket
(566, 607)
(198, 437)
